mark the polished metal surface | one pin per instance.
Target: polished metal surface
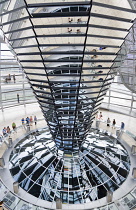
(127, 69)
(47, 173)
(68, 51)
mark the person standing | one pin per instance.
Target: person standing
(9, 77)
(27, 120)
(108, 122)
(100, 116)
(18, 97)
(4, 131)
(35, 120)
(31, 120)
(23, 121)
(14, 78)
(1, 205)
(1, 138)
(14, 126)
(122, 125)
(8, 130)
(113, 123)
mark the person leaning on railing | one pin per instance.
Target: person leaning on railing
(1, 205)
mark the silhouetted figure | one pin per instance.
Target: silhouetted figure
(14, 78)
(9, 77)
(18, 97)
(35, 120)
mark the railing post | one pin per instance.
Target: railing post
(10, 142)
(2, 162)
(133, 150)
(134, 173)
(16, 187)
(109, 196)
(58, 203)
(97, 124)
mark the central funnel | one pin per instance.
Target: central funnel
(68, 65)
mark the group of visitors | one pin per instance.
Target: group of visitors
(100, 117)
(70, 20)
(29, 120)
(114, 123)
(6, 130)
(70, 30)
(9, 77)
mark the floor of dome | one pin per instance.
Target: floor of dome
(47, 173)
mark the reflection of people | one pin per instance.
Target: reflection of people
(100, 72)
(94, 56)
(70, 20)
(79, 20)
(78, 31)
(69, 30)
